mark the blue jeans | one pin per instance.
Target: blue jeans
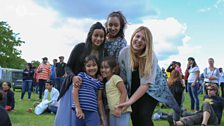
(91, 119)
(27, 84)
(193, 92)
(52, 109)
(123, 120)
(58, 82)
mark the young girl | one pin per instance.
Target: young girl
(10, 100)
(115, 41)
(88, 95)
(116, 93)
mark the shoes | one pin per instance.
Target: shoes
(30, 110)
(203, 125)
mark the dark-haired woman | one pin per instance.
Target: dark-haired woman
(28, 73)
(94, 45)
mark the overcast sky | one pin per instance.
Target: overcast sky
(180, 29)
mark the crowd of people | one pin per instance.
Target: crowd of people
(106, 82)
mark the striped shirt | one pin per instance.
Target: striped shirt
(46, 71)
(88, 92)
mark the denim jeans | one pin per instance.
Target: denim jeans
(193, 92)
(91, 119)
(58, 82)
(123, 120)
(27, 84)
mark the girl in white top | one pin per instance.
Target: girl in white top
(116, 93)
(193, 85)
(211, 73)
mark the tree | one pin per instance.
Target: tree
(10, 56)
(35, 63)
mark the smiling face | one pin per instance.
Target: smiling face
(97, 37)
(5, 86)
(139, 42)
(106, 70)
(91, 68)
(113, 26)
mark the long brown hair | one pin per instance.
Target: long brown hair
(145, 60)
(174, 76)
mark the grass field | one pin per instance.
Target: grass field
(20, 117)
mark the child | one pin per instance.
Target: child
(88, 95)
(115, 41)
(116, 93)
(10, 101)
(4, 117)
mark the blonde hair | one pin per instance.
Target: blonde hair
(143, 61)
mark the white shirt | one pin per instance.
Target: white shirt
(221, 79)
(192, 74)
(211, 73)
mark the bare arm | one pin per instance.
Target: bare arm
(138, 94)
(78, 109)
(100, 106)
(197, 73)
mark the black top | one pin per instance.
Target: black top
(135, 82)
(217, 104)
(28, 74)
(73, 67)
(10, 99)
(60, 69)
(4, 118)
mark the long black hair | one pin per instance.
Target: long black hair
(123, 22)
(88, 43)
(194, 62)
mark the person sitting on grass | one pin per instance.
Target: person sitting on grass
(10, 100)
(211, 112)
(4, 117)
(49, 101)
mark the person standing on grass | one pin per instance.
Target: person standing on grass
(60, 72)
(221, 81)
(116, 93)
(28, 73)
(193, 84)
(88, 96)
(44, 70)
(4, 117)
(211, 73)
(94, 45)
(53, 71)
(144, 79)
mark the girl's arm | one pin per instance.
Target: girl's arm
(121, 87)
(100, 106)
(138, 94)
(197, 73)
(78, 109)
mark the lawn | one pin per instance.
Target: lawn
(20, 117)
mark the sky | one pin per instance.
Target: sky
(180, 28)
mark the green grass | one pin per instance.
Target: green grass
(20, 117)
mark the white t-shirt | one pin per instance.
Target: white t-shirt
(221, 79)
(192, 74)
